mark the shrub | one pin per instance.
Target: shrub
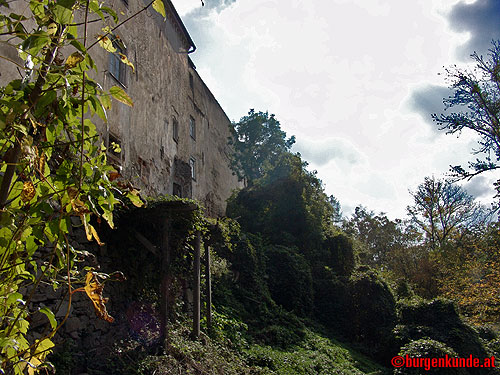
(427, 348)
(372, 313)
(289, 279)
(437, 319)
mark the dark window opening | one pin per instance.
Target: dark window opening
(191, 82)
(117, 68)
(192, 127)
(192, 164)
(175, 129)
(114, 149)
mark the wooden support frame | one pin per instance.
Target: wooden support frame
(196, 286)
(208, 285)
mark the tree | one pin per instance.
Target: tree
(445, 211)
(52, 167)
(288, 204)
(258, 141)
(378, 235)
(472, 277)
(476, 101)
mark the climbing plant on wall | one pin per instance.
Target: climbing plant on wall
(53, 167)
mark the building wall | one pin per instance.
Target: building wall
(163, 93)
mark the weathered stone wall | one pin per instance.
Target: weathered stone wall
(166, 89)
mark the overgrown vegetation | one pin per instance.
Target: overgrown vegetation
(291, 280)
(53, 168)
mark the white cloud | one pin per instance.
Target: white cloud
(341, 76)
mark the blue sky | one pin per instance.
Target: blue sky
(354, 80)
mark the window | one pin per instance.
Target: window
(192, 127)
(114, 150)
(116, 68)
(175, 129)
(192, 164)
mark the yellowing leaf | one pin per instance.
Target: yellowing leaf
(106, 43)
(72, 192)
(159, 7)
(73, 60)
(120, 95)
(52, 28)
(108, 216)
(94, 289)
(28, 192)
(41, 164)
(78, 206)
(125, 60)
(133, 195)
(95, 235)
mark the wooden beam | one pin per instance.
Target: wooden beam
(209, 288)
(166, 280)
(196, 286)
(147, 244)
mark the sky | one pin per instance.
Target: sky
(355, 81)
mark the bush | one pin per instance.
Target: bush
(331, 300)
(289, 279)
(427, 348)
(437, 319)
(278, 328)
(338, 254)
(372, 313)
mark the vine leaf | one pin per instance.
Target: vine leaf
(50, 315)
(125, 60)
(120, 95)
(159, 7)
(28, 192)
(106, 43)
(94, 289)
(73, 60)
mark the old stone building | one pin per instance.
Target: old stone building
(174, 138)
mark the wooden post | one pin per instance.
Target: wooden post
(209, 288)
(166, 279)
(196, 287)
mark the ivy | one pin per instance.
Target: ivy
(52, 169)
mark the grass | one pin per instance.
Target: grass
(315, 355)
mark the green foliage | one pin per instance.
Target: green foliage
(52, 166)
(287, 206)
(316, 355)
(438, 320)
(289, 279)
(444, 211)
(258, 142)
(337, 253)
(379, 236)
(428, 348)
(372, 312)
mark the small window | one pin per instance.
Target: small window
(175, 129)
(116, 68)
(192, 127)
(192, 164)
(191, 82)
(114, 149)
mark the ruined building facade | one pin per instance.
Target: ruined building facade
(174, 139)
